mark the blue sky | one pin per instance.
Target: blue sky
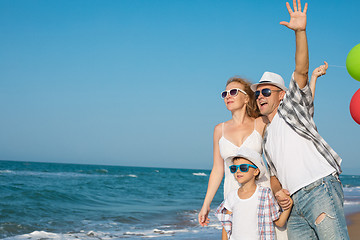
(137, 82)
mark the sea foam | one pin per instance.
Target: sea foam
(200, 174)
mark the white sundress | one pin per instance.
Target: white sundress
(228, 149)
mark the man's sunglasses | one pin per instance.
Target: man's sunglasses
(233, 92)
(243, 167)
(266, 92)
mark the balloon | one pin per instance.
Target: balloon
(355, 107)
(353, 62)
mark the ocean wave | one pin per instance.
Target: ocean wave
(200, 174)
(59, 236)
(101, 171)
(347, 202)
(351, 188)
(37, 235)
(6, 171)
(133, 234)
(57, 174)
(154, 233)
(163, 231)
(80, 174)
(132, 175)
(65, 236)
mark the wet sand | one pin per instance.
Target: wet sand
(354, 226)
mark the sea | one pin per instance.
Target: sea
(73, 201)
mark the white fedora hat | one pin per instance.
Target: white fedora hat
(270, 78)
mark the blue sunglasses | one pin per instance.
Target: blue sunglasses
(243, 167)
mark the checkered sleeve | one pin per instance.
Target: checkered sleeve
(297, 109)
(302, 96)
(266, 213)
(273, 206)
(224, 218)
(268, 160)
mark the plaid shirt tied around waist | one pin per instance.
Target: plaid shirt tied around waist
(297, 110)
(268, 211)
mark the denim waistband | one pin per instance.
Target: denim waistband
(319, 182)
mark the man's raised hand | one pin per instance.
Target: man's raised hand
(297, 17)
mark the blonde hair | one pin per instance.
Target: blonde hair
(252, 109)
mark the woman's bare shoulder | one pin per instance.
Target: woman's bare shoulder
(262, 120)
(219, 126)
(218, 130)
(261, 123)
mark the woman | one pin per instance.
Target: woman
(245, 128)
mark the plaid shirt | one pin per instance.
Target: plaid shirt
(268, 211)
(297, 110)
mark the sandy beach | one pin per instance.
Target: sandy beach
(354, 226)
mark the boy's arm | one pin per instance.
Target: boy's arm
(318, 72)
(298, 24)
(284, 216)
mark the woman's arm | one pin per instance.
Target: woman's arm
(216, 176)
(318, 72)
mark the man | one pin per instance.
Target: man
(299, 159)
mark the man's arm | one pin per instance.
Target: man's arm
(281, 195)
(298, 24)
(275, 184)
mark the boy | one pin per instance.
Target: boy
(253, 208)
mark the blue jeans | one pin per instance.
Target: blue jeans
(323, 197)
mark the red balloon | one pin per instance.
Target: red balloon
(355, 107)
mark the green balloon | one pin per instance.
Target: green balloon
(353, 62)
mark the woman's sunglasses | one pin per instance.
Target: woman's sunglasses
(266, 92)
(243, 167)
(233, 92)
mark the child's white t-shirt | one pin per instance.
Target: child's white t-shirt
(245, 217)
